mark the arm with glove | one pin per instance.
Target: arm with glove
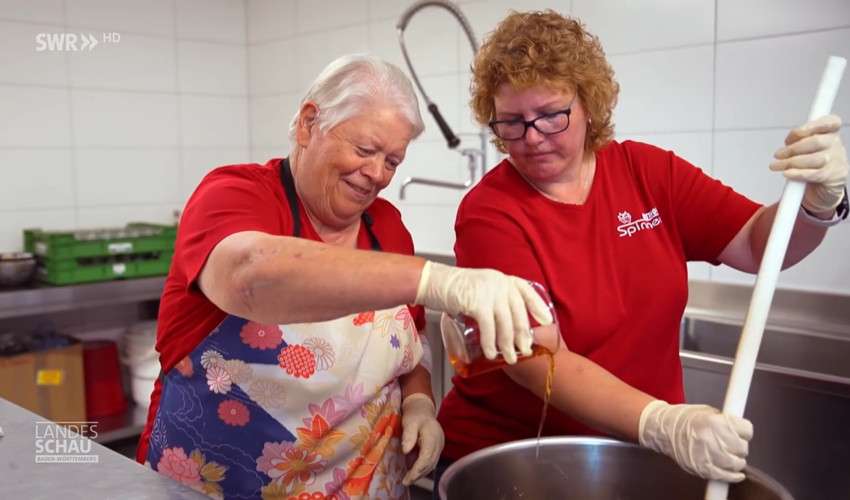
(701, 439)
(813, 153)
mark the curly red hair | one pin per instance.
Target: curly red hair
(544, 48)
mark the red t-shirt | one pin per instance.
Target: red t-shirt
(229, 200)
(616, 270)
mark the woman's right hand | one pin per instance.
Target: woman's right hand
(498, 302)
(701, 439)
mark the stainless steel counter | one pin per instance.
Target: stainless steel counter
(113, 476)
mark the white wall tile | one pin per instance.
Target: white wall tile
(383, 42)
(429, 160)
(681, 100)
(432, 227)
(272, 68)
(388, 9)
(34, 117)
(109, 177)
(695, 147)
(124, 119)
(262, 155)
(313, 16)
(315, 51)
(741, 160)
(772, 82)
(36, 179)
(750, 19)
(826, 269)
(13, 223)
(431, 39)
(699, 271)
(626, 26)
(151, 17)
(212, 68)
(216, 20)
(121, 215)
(39, 11)
(196, 163)
(135, 62)
(21, 60)
(213, 121)
(270, 20)
(270, 118)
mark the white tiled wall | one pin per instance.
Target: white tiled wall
(126, 130)
(121, 132)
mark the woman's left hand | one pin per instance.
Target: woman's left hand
(813, 153)
(419, 426)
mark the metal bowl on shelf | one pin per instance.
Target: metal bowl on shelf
(585, 468)
(16, 268)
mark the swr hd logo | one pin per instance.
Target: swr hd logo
(71, 42)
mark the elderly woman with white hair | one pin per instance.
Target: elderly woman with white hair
(291, 327)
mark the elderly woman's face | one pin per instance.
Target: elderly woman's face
(541, 156)
(347, 167)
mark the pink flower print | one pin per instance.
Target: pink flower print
(218, 379)
(211, 358)
(327, 410)
(239, 370)
(322, 350)
(176, 465)
(267, 393)
(354, 398)
(297, 360)
(185, 367)
(285, 463)
(232, 412)
(261, 336)
(407, 361)
(406, 318)
(334, 489)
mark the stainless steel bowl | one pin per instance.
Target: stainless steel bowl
(16, 268)
(585, 468)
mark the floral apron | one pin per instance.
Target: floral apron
(300, 411)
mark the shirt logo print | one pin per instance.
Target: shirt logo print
(648, 220)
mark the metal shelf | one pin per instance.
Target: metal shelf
(40, 299)
(127, 424)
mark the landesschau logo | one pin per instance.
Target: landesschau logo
(71, 42)
(65, 442)
(648, 220)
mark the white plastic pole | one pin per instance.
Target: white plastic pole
(768, 275)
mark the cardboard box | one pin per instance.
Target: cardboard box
(49, 383)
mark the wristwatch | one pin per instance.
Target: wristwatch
(841, 212)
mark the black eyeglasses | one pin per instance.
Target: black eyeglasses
(548, 124)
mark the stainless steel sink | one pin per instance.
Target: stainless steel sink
(799, 400)
(818, 353)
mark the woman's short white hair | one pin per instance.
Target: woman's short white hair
(348, 86)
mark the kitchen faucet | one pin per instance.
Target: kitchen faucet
(473, 156)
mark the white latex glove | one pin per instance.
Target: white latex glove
(813, 153)
(699, 438)
(419, 425)
(498, 302)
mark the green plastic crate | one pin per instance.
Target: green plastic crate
(69, 272)
(135, 238)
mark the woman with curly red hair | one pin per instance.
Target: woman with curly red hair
(608, 227)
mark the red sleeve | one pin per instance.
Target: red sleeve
(708, 213)
(229, 200)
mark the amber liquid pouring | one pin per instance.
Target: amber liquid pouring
(547, 395)
(482, 364)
